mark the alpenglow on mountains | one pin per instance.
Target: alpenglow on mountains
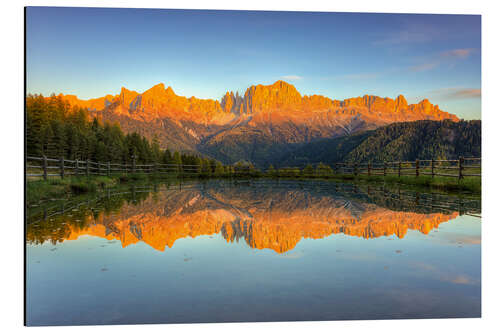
(267, 121)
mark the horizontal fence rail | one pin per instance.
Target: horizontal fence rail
(460, 168)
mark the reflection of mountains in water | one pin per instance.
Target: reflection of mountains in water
(266, 217)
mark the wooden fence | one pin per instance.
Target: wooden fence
(48, 167)
(460, 168)
(463, 167)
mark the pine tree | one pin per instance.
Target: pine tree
(308, 170)
(177, 161)
(271, 171)
(219, 169)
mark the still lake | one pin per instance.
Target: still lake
(251, 251)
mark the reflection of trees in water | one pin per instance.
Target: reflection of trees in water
(256, 212)
(56, 220)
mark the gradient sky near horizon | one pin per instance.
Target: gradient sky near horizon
(91, 52)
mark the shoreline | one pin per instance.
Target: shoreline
(38, 190)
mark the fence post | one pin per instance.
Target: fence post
(355, 169)
(98, 168)
(417, 166)
(77, 165)
(432, 168)
(44, 167)
(460, 167)
(87, 168)
(61, 162)
(369, 169)
(109, 168)
(399, 169)
(133, 163)
(385, 168)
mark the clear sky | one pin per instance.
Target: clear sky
(91, 52)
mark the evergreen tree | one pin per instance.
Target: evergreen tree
(177, 161)
(219, 169)
(271, 170)
(308, 170)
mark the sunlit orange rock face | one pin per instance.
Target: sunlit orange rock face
(280, 99)
(276, 222)
(156, 103)
(94, 104)
(284, 100)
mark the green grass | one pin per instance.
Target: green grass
(449, 184)
(471, 184)
(40, 190)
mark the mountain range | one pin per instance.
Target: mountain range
(267, 121)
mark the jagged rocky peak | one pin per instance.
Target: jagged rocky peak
(127, 96)
(280, 98)
(401, 100)
(279, 95)
(232, 102)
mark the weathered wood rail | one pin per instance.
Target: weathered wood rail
(50, 167)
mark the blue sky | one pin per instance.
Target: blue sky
(91, 52)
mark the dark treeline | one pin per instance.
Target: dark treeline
(54, 129)
(424, 139)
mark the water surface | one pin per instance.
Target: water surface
(252, 251)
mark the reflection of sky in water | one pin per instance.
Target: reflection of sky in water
(93, 280)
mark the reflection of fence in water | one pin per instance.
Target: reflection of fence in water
(431, 201)
(403, 200)
(412, 199)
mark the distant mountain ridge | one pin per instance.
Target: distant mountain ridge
(267, 119)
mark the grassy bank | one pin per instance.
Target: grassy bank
(38, 190)
(448, 184)
(472, 184)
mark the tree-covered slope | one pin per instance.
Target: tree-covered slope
(327, 150)
(423, 139)
(55, 129)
